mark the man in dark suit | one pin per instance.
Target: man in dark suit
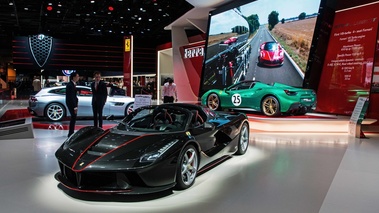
(99, 97)
(72, 100)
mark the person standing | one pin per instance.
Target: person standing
(169, 92)
(99, 97)
(72, 101)
(47, 83)
(36, 85)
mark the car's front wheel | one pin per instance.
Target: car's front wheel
(213, 102)
(55, 112)
(187, 169)
(243, 142)
(128, 109)
(270, 106)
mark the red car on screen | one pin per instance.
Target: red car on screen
(271, 54)
(230, 40)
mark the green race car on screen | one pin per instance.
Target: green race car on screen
(270, 99)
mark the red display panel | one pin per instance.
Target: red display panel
(192, 56)
(348, 65)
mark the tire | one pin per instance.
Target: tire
(55, 112)
(128, 109)
(187, 168)
(270, 106)
(243, 141)
(213, 102)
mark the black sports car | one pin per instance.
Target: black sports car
(153, 149)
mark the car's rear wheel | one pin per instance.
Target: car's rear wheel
(213, 102)
(270, 106)
(128, 109)
(243, 142)
(187, 169)
(55, 112)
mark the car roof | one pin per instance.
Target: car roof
(47, 89)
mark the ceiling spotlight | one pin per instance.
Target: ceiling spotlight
(10, 3)
(49, 8)
(110, 8)
(92, 2)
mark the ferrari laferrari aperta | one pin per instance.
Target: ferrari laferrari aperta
(271, 54)
(270, 99)
(155, 148)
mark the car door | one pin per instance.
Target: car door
(85, 101)
(239, 96)
(115, 105)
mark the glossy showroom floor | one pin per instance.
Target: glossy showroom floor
(284, 173)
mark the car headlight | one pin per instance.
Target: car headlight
(153, 156)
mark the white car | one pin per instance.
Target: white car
(51, 103)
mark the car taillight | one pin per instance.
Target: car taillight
(33, 99)
(288, 92)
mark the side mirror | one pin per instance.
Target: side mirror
(208, 125)
(226, 91)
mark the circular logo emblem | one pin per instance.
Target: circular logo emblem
(236, 99)
(67, 72)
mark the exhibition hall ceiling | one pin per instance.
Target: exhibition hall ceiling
(105, 18)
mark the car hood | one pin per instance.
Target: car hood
(93, 149)
(270, 54)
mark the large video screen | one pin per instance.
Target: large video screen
(264, 40)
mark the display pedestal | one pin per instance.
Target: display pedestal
(355, 123)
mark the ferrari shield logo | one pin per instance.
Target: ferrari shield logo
(40, 47)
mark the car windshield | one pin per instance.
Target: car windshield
(156, 119)
(271, 46)
(242, 85)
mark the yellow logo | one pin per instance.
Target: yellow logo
(127, 45)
